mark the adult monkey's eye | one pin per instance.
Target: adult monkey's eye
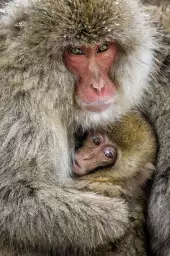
(96, 140)
(102, 48)
(76, 51)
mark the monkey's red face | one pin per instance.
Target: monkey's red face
(97, 151)
(94, 91)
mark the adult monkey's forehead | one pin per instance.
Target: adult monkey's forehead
(92, 21)
(83, 22)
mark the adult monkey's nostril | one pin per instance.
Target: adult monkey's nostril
(97, 87)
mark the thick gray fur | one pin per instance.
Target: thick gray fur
(157, 107)
(39, 213)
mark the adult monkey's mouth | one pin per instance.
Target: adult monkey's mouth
(97, 106)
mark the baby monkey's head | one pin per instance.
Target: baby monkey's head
(96, 152)
(118, 152)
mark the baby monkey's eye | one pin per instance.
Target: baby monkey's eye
(109, 154)
(96, 140)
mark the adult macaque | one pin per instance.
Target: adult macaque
(63, 65)
(122, 157)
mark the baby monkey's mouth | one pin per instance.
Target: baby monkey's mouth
(76, 163)
(76, 167)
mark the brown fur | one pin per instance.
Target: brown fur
(136, 145)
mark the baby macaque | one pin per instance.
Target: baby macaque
(118, 162)
(97, 151)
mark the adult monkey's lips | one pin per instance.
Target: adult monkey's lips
(98, 106)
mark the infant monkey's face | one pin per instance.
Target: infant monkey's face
(97, 151)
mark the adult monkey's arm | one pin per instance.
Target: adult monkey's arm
(157, 107)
